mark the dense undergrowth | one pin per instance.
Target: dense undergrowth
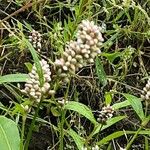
(89, 89)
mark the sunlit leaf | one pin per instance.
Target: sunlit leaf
(120, 133)
(14, 78)
(81, 109)
(77, 139)
(9, 134)
(136, 105)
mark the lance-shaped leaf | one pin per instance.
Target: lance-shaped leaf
(9, 134)
(13, 78)
(81, 109)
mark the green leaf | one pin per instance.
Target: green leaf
(121, 104)
(55, 111)
(111, 57)
(12, 90)
(120, 133)
(136, 105)
(81, 109)
(100, 72)
(29, 66)
(77, 139)
(14, 78)
(110, 122)
(146, 143)
(9, 134)
(36, 61)
(108, 98)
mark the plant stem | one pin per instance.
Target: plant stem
(61, 146)
(22, 131)
(133, 138)
(32, 126)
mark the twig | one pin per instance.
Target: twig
(28, 5)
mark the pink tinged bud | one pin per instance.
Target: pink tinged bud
(34, 45)
(24, 91)
(65, 68)
(31, 75)
(46, 76)
(147, 97)
(37, 82)
(78, 57)
(91, 42)
(33, 80)
(73, 61)
(88, 52)
(86, 55)
(36, 87)
(43, 62)
(69, 58)
(86, 46)
(30, 37)
(148, 93)
(58, 62)
(72, 53)
(83, 51)
(26, 108)
(88, 38)
(28, 85)
(77, 49)
(65, 54)
(32, 90)
(95, 41)
(93, 55)
(32, 94)
(67, 64)
(33, 68)
(73, 68)
(82, 36)
(43, 90)
(33, 72)
(48, 79)
(100, 38)
(27, 89)
(144, 89)
(38, 100)
(36, 77)
(38, 93)
(92, 34)
(51, 92)
(147, 86)
(39, 44)
(46, 86)
(91, 60)
(29, 82)
(99, 51)
(79, 41)
(79, 65)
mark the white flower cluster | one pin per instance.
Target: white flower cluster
(105, 114)
(146, 91)
(80, 52)
(36, 39)
(33, 88)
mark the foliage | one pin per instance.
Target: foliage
(108, 89)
